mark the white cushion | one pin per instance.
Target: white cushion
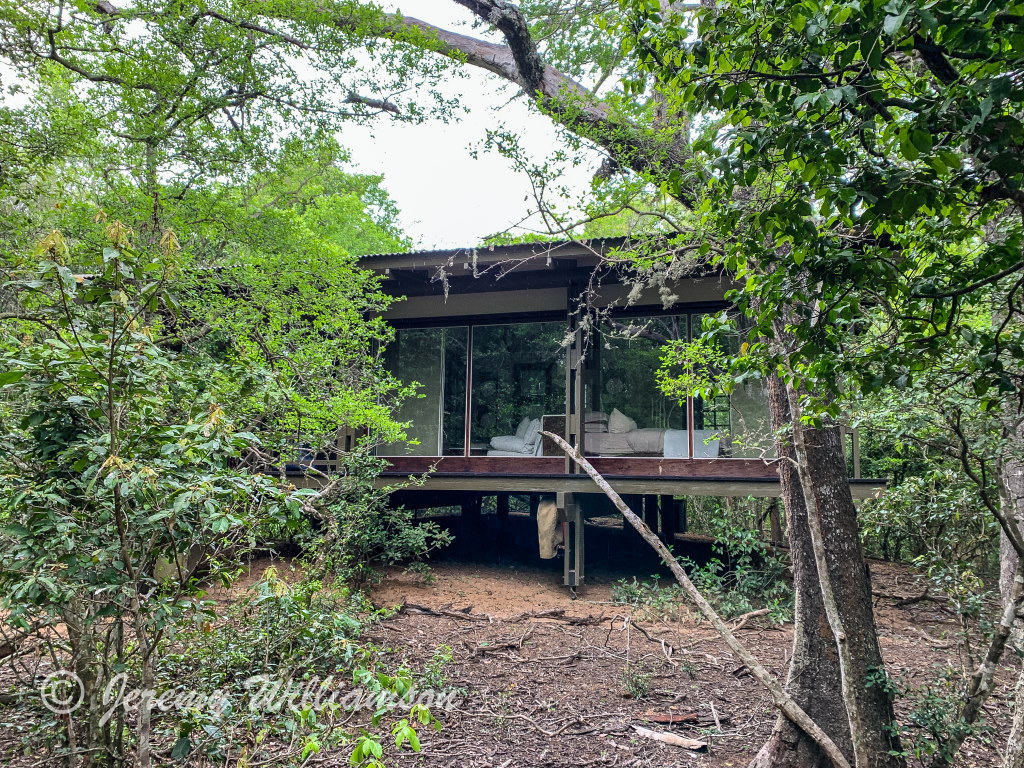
(510, 443)
(532, 432)
(523, 426)
(619, 422)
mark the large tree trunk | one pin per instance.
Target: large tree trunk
(814, 678)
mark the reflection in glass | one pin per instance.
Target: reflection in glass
(518, 372)
(435, 358)
(621, 371)
(620, 376)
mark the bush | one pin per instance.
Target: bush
(746, 575)
(285, 636)
(356, 528)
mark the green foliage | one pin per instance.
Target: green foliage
(636, 679)
(855, 176)
(649, 598)
(358, 529)
(279, 638)
(115, 466)
(436, 671)
(933, 729)
(745, 574)
(934, 515)
(692, 369)
(294, 629)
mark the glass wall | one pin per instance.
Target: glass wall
(620, 370)
(518, 373)
(620, 376)
(434, 358)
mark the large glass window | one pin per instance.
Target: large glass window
(620, 371)
(434, 358)
(518, 373)
(620, 376)
(517, 377)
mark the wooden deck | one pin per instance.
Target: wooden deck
(672, 477)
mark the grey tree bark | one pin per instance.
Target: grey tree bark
(815, 674)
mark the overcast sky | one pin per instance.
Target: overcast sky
(447, 198)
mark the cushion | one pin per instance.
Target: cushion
(618, 422)
(510, 443)
(523, 426)
(532, 432)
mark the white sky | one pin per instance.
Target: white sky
(447, 198)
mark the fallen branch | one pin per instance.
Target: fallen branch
(673, 717)
(741, 621)
(464, 615)
(557, 614)
(782, 700)
(671, 738)
(666, 648)
(475, 649)
(934, 641)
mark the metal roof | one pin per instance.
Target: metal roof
(536, 249)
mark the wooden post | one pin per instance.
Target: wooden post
(651, 512)
(471, 504)
(670, 517)
(501, 506)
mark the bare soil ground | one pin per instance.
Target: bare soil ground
(542, 679)
(543, 675)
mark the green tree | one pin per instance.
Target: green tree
(115, 464)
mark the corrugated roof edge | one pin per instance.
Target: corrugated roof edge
(537, 249)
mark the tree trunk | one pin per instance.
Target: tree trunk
(1015, 741)
(815, 679)
(1012, 481)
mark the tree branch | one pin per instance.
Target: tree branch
(782, 700)
(382, 104)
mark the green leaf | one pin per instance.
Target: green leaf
(891, 25)
(9, 377)
(921, 139)
(181, 749)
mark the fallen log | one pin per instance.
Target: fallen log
(672, 739)
(464, 615)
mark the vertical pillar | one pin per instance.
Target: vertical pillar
(467, 425)
(855, 436)
(573, 562)
(651, 512)
(671, 511)
(504, 531)
(574, 390)
(471, 509)
(534, 503)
